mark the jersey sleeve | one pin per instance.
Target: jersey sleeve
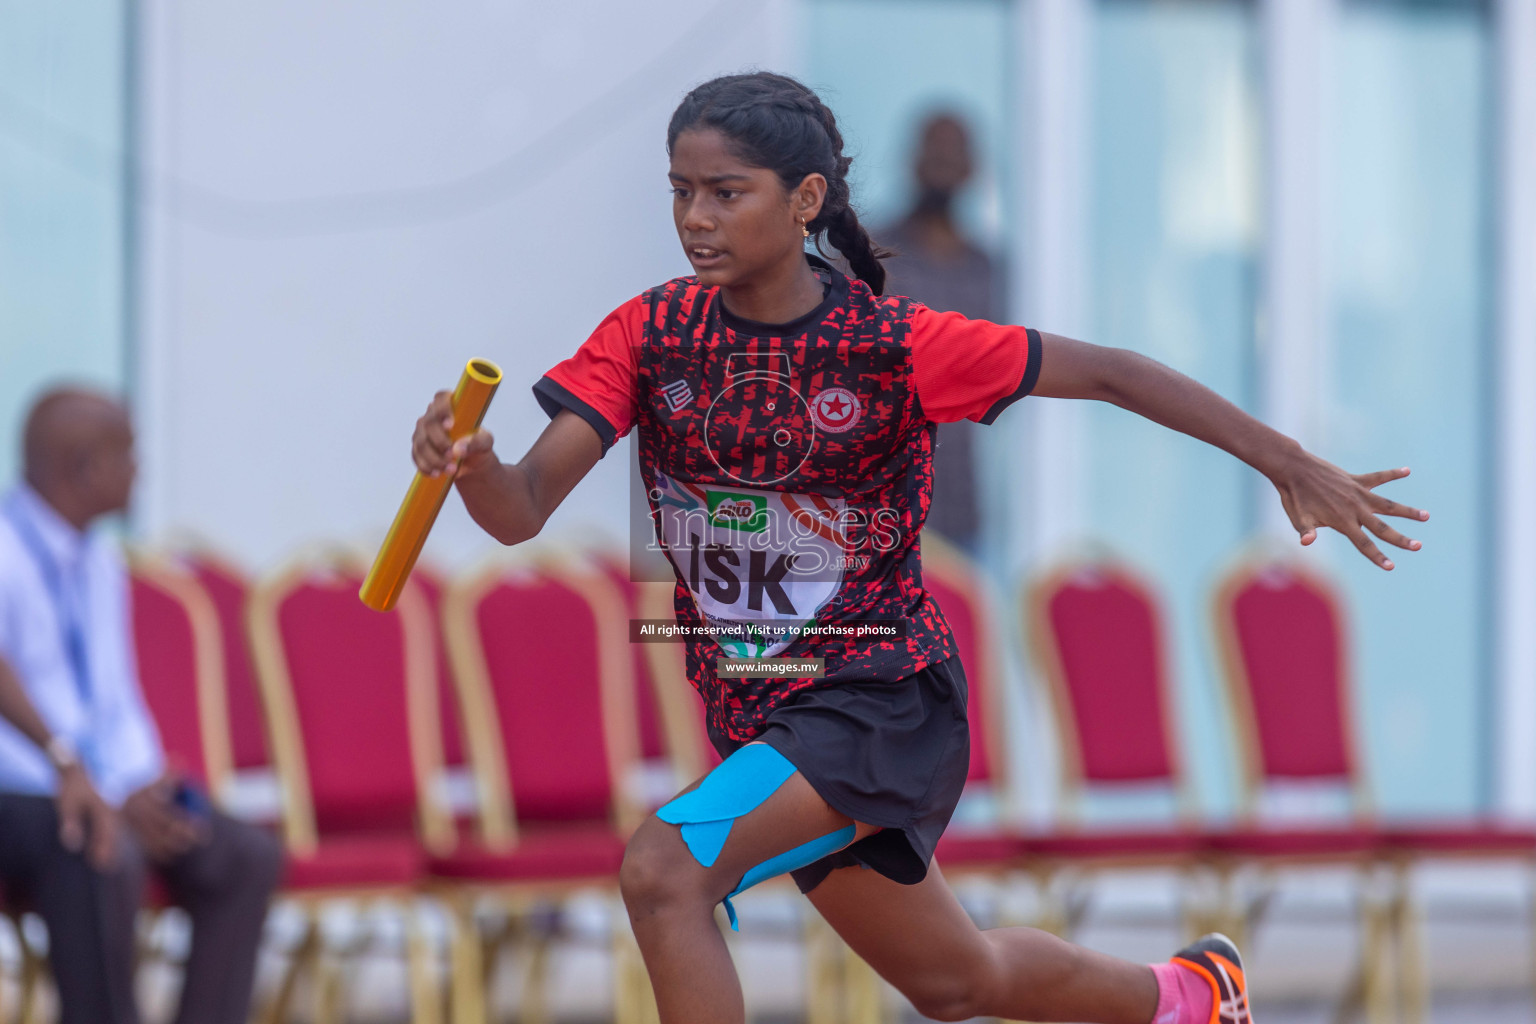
(967, 369)
(599, 382)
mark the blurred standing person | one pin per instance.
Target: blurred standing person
(86, 802)
(937, 265)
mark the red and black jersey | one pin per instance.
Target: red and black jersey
(789, 467)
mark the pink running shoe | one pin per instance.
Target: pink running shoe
(1215, 957)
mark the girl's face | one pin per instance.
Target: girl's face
(736, 222)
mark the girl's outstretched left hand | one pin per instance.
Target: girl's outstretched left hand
(1317, 493)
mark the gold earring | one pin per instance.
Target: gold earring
(805, 230)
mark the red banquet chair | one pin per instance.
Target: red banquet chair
(433, 587)
(1282, 635)
(181, 664)
(679, 710)
(1096, 631)
(648, 714)
(954, 582)
(1282, 655)
(539, 648)
(251, 790)
(350, 697)
(228, 588)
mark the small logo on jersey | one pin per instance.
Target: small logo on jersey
(738, 511)
(677, 394)
(835, 410)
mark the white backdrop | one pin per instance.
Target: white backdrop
(345, 201)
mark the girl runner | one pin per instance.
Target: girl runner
(785, 417)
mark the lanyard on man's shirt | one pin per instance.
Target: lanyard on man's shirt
(67, 610)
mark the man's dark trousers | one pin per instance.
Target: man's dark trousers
(224, 885)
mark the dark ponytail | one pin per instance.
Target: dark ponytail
(775, 122)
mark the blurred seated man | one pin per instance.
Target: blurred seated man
(86, 802)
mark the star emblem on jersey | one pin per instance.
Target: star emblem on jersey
(678, 394)
(835, 410)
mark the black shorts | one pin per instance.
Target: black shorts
(895, 755)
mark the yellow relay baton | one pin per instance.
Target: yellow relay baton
(425, 498)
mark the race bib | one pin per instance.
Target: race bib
(761, 565)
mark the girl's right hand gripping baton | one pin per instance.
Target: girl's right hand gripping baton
(425, 498)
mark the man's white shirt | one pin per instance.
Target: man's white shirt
(107, 721)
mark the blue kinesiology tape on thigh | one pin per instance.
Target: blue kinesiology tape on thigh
(789, 860)
(739, 785)
(743, 781)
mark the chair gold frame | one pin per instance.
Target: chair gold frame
(1370, 987)
(300, 831)
(496, 801)
(1389, 982)
(944, 560)
(1059, 877)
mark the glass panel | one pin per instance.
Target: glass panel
(61, 204)
(1174, 222)
(882, 65)
(1408, 383)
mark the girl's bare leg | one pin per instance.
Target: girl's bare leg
(918, 937)
(671, 899)
(921, 940)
